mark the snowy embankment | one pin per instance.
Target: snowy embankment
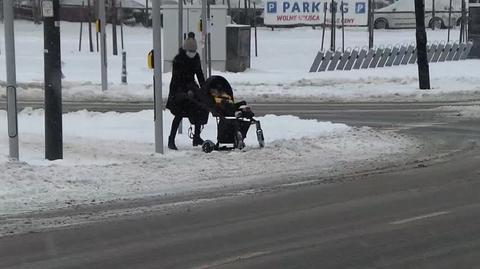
(279, 73)
(109, 156)
(469, 112)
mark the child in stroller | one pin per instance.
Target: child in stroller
(233, 119)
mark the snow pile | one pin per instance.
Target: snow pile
(280, 72)
(110, 156)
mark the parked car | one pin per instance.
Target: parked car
(401, 14)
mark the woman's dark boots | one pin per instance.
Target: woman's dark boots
(173, 131)
(171, 143)
(197, 140)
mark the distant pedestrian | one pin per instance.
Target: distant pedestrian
(184, 90)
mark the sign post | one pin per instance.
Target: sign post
(371, 20)
(11, 80)
(157, 83)
(53, 80)
(103, 43)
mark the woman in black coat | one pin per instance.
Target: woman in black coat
(184, 90)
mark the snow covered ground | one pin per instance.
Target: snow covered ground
(109, 156)
(280, 72)
(469, 112)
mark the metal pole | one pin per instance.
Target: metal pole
(146, 13)
(325, 8)
(209, 41)
(255, 26)
(333, 9)
(114, 27)
(433, 14)
(449, 20)
(180, 23)
(204, 35)
(462, 24)
(157, 59)
(103, 44)
(466, 16)
(81, 31)
(53, 84)
(229, 7)
(370, 23)
(96, 36)
(90, 26)
(180, 42)
(121, 25)
(124, 67)
(421, 35)
(245, 12)
(11, 80)
(343, 27)
(35, 11)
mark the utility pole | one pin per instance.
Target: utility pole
(11, 80)
(421, 35)
(53, 80)
(157, 82)
(103, 43)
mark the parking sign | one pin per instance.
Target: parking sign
(360, 8)
(310, 12)
(271, 7)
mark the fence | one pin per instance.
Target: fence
(386, 57)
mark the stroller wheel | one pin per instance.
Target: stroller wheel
(239, 144)
(208, 146)
(260, 138)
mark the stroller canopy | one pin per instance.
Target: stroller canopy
(220, 84)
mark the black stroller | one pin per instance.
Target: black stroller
(233, 119)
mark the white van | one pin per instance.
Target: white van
(401, 14)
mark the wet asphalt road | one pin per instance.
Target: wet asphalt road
(423, 215)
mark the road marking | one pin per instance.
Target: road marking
(234, 259)
(431, 215)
